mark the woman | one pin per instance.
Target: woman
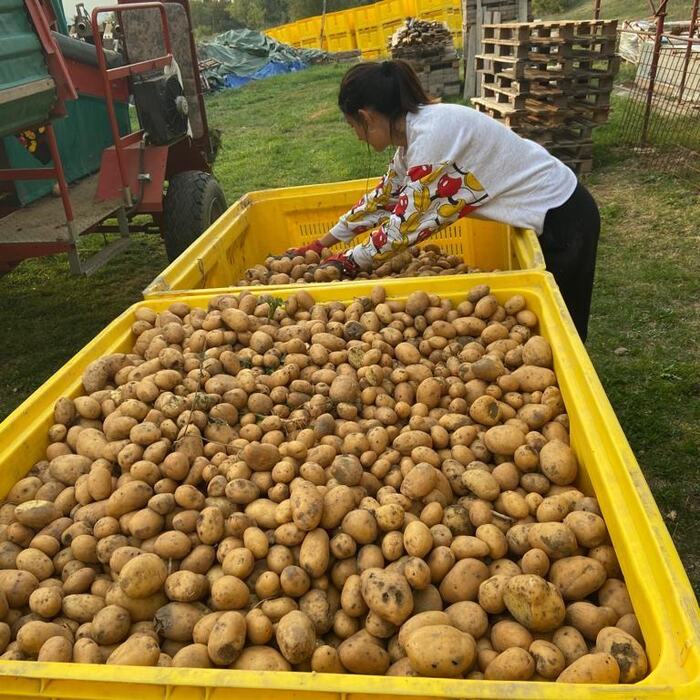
(451, 161)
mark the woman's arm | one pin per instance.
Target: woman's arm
(374, 207)
(434, 197)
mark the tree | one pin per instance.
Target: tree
(257, 14)
(298, 9)
(211, 17)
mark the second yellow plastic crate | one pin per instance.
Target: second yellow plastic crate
(367, 33)
(271, 221)
(659, 588)
(339, 31)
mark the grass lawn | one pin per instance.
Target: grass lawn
(624, 9)
(287, 131)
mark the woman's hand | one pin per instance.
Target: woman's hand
(342, 262)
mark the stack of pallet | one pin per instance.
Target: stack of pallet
(429, 48)
(550, 82)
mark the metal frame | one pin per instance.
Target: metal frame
(128, 70)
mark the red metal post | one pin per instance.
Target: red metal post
(689, 48)
(131, 69)
(660, 19)
(60, 176)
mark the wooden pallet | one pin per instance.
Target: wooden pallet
(565, 28)
(518, 68)
(519, 100)
(573, 131)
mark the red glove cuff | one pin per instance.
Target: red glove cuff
(347, 266)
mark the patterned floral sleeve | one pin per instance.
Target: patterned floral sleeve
(433, 197)
(375, 207)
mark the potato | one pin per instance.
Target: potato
(577, 577)
(549, 660)
(186, 586)
(314, 553)
(143, 576)
(45, 601)
(58, 649)
(417, 539)
(463, 580)
(326, 659)
(176, 621)
(532, 378)
(307, 505)
(296, 637)
(514, 664)
(504, 439)
(468, 617)
(361, 654)
(571, 643)
(440, 650)
(387, 594)
(229, 593)
(589, 528)
(138, 650)
(67, 468)
(629, 623)
(534, 602)
(424, 619)
(110, 625)
(558, 462)
(626, 650)
(86, 651)
(82, 607)
(33, 635)
(481, 483)
(507, 633)
(227, 638)
(192, 656)
(589, 619)
(491, 594)
(556, 540)
(258, 658)
(613, 594)
(36, 513)
(591, 668)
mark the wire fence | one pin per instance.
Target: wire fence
(661, 115)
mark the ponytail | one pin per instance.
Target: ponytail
(391, 88)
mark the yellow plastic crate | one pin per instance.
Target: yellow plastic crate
(368, 36)
(271, 221)
(339, 31)
(310, 33)
(392, 14)
(660, 591)
(450, 13)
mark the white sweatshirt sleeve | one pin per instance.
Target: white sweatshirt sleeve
(374, 207)
(433, 197)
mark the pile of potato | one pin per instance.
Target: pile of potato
(382, 487)
(426, 261)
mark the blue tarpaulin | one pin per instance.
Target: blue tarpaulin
(244, 55)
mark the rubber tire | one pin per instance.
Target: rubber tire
(193, 202)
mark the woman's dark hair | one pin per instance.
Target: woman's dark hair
(391, 88)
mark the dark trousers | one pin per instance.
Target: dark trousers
(569, 241)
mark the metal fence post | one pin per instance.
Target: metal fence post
(660, 19)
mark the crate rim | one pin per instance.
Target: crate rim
(680, 644)
(214, 235)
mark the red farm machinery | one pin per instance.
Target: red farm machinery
(71, 162)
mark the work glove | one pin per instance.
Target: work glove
(316, 246)
(344, 263)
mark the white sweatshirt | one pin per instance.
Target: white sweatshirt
(458, 162)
